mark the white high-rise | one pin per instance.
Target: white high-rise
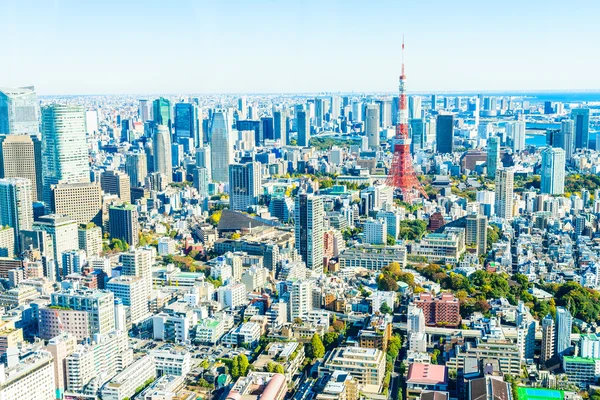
(221, 145)
(138, 262)
(162, 152)
(19, 110)
(64, 147)
(553, 171)
(301, 298)
(132, 290)
(504, 193)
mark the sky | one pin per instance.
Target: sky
(268, 46)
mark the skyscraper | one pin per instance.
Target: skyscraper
(16, 208)
(222, 145)
(267, 128)
(123, 223)
(319, 112)
(547, 339)
(567, 138)
(493, 155)
(203, 158)
(564, 325)
(19, 110)
(21, 157)
(138, 262)
(414, 107)
(433, 102)
(581, 121)
(80, 201)
(161, 112)
(444, 134)
(162, 152)
(143, 110)
(504, 193)
(132, 290)
(553, 171)
(335, 107)
(515, 130)
(245, 181)
(63, 231)
(280, 127)
(301, 298)
(372, 125)
(476, 234)
(187, 125)
(116, 182)
(64, 147)
(308, 220)
(417, 134)
(303, 124)
(136, 168)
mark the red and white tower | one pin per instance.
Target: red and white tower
(402, 175)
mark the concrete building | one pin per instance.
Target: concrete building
(553, 171)
(123, 223)
(309, 229)
(132, 290)
(245, 181)
(19, 111)
(376, 231)
(372, 125)
(61, 347)
(564, 325)
(161, 141)
(476, 232)
(62, 231)
(443, 310)
(504, 193)
(29, 378)
(90, 239)
(118, 183)
(21, 157)
(367, 366)
(548, 331)
(125, 384)
(138, 262)
(81, 202)
(99, 304)
(303, 128)
(136, 168)
(16, 209)
(171, 362)
(446, 247)
(221, 143)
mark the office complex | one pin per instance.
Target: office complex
(161, 112)
(245, 181)
(21, 157)
(123, 223)
(98, 304)
(64, 151)
(564, 324)
(19, 111)
(476, 233)
(188, 125)
(161, 142)
(303, 128)
(493, 156)
(444, 138)
(16, 209)
(136, 167)
(581, 124)
(372, 125)
(516, 132)
(504, 193)
(221, 145)
(81, 202)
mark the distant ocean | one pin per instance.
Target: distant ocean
(535, 140)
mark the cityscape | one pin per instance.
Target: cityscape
(302, 245)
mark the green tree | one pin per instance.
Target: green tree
(390, 240)
(330, 339)
(385, 309)
(205, 364)
(243, 364)
(386, 283)
(315, 348)
(279, 369)
(235, 368)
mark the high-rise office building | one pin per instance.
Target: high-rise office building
(136, 168)
(19, 111)
(16, 209)
(161, 144)
(138, 262)
(504, 193)
(357, 111)
(335, 107)
(581, 121)
(280, 127)
(308, 220)
(476, 233)
(143, 110)
(444, 133)
(63, 232)
(417, 134)
(80, 201)
(267, 128)
(493, 155)
(319, 112)
(515, 130)
(564, 326)
(132, 290)
(372, 125)
(385, 113)
(187, 124)
(245, 181)
(242, 107)
(553, 171)
(547, 339)
(123, 223)
(566, 138)
(161, 112)
(222, 145)
(64, 150)
(116, 182)
(303, 127)
(21, 157)
(201, 180)
(90, 239)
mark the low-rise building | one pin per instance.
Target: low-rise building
(30, 378)
(169, 362)
(367, 366)
(425, 377)
(261, 385)
(125, 384)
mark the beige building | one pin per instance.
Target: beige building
(61, 347)
(367, 366)
(7, 241)
(80, 201)
(90, 239)
(54, 321)
(116, 182)
(21, 157)
(31, 378)
(9, 336)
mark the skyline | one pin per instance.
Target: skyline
(277, 47)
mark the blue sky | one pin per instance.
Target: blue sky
(231, 46)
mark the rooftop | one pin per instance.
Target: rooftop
(429, 374)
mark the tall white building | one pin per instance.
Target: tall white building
(162, 152)
(301, 302)
(309, 230)
(504, 193)
(221, 145)
(232, 296)
(62, 230)
(376, 231)
(132, 291)
(553, 171)
(64, 147)
(417, 338)
(516, 131)
(245, 181)
(19, 111)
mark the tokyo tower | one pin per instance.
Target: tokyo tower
(402, 175)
